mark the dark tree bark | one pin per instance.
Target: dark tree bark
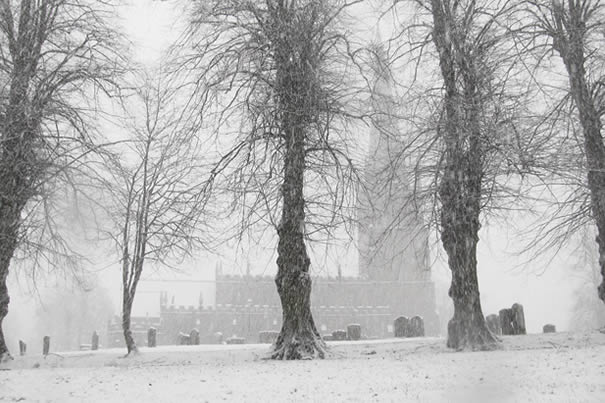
(569, 28)
(18, 169)
(283, 65)
(297, 92)
(132, 267)
(48, 49)
(131, 345)
(299, 337)
(133, 262)
(8, 244)
(461, 181)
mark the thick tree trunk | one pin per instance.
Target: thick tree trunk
(12, 201)
(296, 89)
(299, 338)
(460, 227)
(8, 245)
(19, 168)
(460, 188)
(570, 45)
(4, 301)
(595, 156)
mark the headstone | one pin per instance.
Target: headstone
(493, 323)
(152, 337)
(506, 321)
(235, 340)
(184, 339)
(400, 326)
(22, 347)
(267, 336)
(194, 337)
(328, 337)
(518, 319)
(218, 338)
(45, 345)
(339, 335)
(549, 328)
(354, 331)
(95, 341)
(416, 327)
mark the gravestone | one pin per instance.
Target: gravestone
(549, 328)
(267, 336)
(506, 321)
(416, 327)
(218, 338)
(339, 335)
(493, 323)
(45, 345)
(518, 319)
(400, 326)
(22, 347)
(354, 331)
(194, 337)
(152, 337)
(235, 340)
(94, 345)
(184, 339)
(327, 337)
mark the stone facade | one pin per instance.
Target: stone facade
(248, 305)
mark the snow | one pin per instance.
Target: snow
(566, 367)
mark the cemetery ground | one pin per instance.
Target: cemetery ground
(565, 367)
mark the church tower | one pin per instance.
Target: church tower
(393, 238)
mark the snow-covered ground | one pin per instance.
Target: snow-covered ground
(565, 367)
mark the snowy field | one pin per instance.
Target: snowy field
(562, 367)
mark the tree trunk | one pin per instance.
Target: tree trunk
(298, 338)
(17, 171)
(460, 188)
(296, 90)
(12, 201)
(126, 312)
(570, 45)
(4, 300)
(9, 216)
(467, 329)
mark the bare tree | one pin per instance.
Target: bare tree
(274, 78)
(575, 30)
(157, 191)
(56, 58)
(464, 142)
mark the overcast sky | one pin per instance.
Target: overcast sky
(152, 26)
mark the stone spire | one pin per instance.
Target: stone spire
(393, 243)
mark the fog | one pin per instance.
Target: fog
(547, 285)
